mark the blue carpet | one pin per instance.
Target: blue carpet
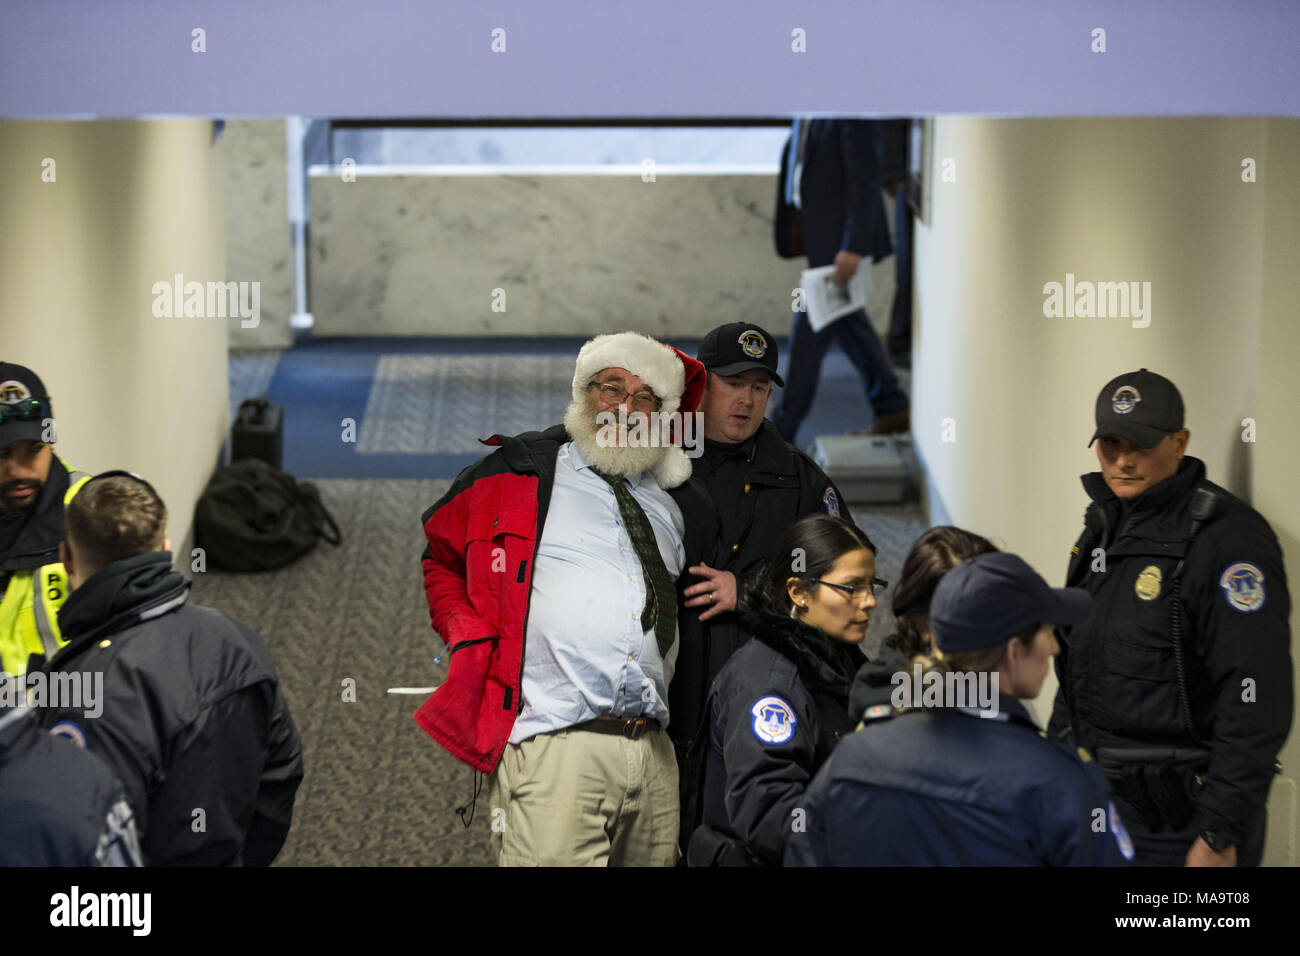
(321, 382)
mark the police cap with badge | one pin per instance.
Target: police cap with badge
(1140, 406)
(738, 347)
(25, 406)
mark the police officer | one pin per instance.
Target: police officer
(943, 780)
(34, 487)
(1180, 681)
(59, 806)
(192, 717)
(780, 704)
(760, 485)
(935, 553)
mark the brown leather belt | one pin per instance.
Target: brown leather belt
(629, 727)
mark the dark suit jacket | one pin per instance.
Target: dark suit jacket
(843, 207)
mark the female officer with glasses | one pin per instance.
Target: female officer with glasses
(780, 704)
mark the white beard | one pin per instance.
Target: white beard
(580, 421)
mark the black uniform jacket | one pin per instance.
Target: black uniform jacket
(192, 716)
(1118, 671)
(947, 787)
(780, 486)
(776, 712)
(59, 806)
(874, 684)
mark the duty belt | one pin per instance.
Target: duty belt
(1163, 784)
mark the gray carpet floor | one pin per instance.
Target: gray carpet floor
(377, 790)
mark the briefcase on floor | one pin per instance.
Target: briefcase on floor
(258, 432)
(868, 469)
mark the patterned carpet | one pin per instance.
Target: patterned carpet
(377, 791)
(429, 404)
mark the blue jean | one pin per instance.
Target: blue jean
(900, 322)
(807, 349)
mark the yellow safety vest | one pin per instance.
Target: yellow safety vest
(29, 612)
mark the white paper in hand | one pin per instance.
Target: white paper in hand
(827, 301)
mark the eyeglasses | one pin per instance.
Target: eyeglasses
(28, 410)
(612, 394)
(857, 592)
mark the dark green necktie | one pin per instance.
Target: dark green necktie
(660, 610)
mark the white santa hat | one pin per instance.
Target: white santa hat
(676, 378)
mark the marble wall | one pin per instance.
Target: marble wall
(572, 251)
(258, 241)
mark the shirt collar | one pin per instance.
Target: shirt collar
(579, 463)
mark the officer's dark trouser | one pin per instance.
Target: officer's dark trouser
(1168, 847)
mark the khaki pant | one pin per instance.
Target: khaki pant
(582, 798)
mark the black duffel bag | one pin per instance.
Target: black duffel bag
(252, 517)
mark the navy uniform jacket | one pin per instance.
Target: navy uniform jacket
(951, 788)
(59, 806)
(781, 486)
(1119, 685)
(192, 716)
(776, 711)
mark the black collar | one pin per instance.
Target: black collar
(727, 449)
(824, 664)
(37, 542)
(525, 451)
(775, 455)
(1190, 472)
(119, 596)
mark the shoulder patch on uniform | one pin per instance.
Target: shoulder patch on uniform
(831, 502)
(774, 720)
(1243, 587)
(70, 730)
(1117, 828)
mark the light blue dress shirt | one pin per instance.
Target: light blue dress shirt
(585, 653)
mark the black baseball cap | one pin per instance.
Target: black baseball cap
(24, 404)
(1141, 406)
(987, 599)
(737, 347)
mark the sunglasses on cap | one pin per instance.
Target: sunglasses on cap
(28, 410)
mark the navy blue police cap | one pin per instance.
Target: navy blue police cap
(737, 347)
(1141, 406)
(986, 600)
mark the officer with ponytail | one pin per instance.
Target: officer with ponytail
(957, 773)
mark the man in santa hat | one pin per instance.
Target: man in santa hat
(554, 574)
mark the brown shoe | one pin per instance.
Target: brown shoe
(891, 423)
